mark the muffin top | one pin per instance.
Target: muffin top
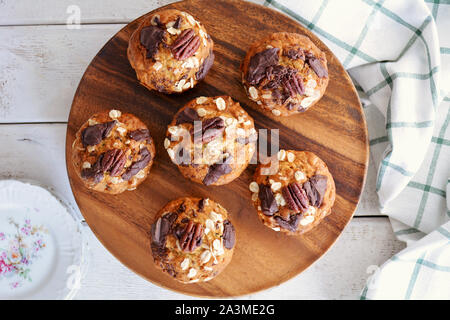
(211, 140)
(285, 73)
(293, 192)
(192, 239)
(170, 51)
(113, 152)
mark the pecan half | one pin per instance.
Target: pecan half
(185, 45)
(113, 161)
(295, 197)
(191, 237)
(294, 85)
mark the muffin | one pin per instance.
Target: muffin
(192, 239)
(113, 152)
(285, 73)
(293, 192)
(170, 51)
(211, 140)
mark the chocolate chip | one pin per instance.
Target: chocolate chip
(177, 23)
(290, 224)
(188, 115)
(317, 66)
(258, 64)
(201, 205)
(185, 45)
(246, 140)
(93, 135)
(95, 172)
(137, 166)
(217, 170)
(139, 135)
(150, 38)
(315, 189)
(210, 128)
(159, 231)
(204, 68)
(229, 235)
(268, 203)
(294, 54)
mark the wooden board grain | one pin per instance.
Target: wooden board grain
(334, 129)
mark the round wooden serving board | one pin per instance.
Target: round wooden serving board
(334, 129)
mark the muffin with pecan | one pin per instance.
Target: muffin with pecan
(211, 140)
(113, 152)
(285, 73)
(170, 51)
(192, 239)
(293, 192)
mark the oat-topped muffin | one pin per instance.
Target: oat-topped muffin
(295, 195)
(192, 239)
(170, 51)
(113, 152)
(285, 73)
(211, 140)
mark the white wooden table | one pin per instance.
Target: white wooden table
(41, 63)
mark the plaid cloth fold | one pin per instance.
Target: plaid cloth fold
(398, 55)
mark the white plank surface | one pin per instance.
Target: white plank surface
(340, 274)
(41, 64)
(36, 152)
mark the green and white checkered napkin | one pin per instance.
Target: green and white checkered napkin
(398, 55)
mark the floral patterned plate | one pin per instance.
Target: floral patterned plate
(41, 244)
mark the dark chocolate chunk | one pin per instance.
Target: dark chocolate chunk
(258, 64)
(185, 45)
(217, 170)
(201, 205)
(315, 189)
(159, 231)
(177, 23)
(294, 54)
(317, 66)
(204, 68)
(209, 130)
(229, 235)
(93, 135)
(268, 203)
(290, 224)
(139, 135)
(188, 115)
(137, 166)
(95, 172)
(150, 38)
